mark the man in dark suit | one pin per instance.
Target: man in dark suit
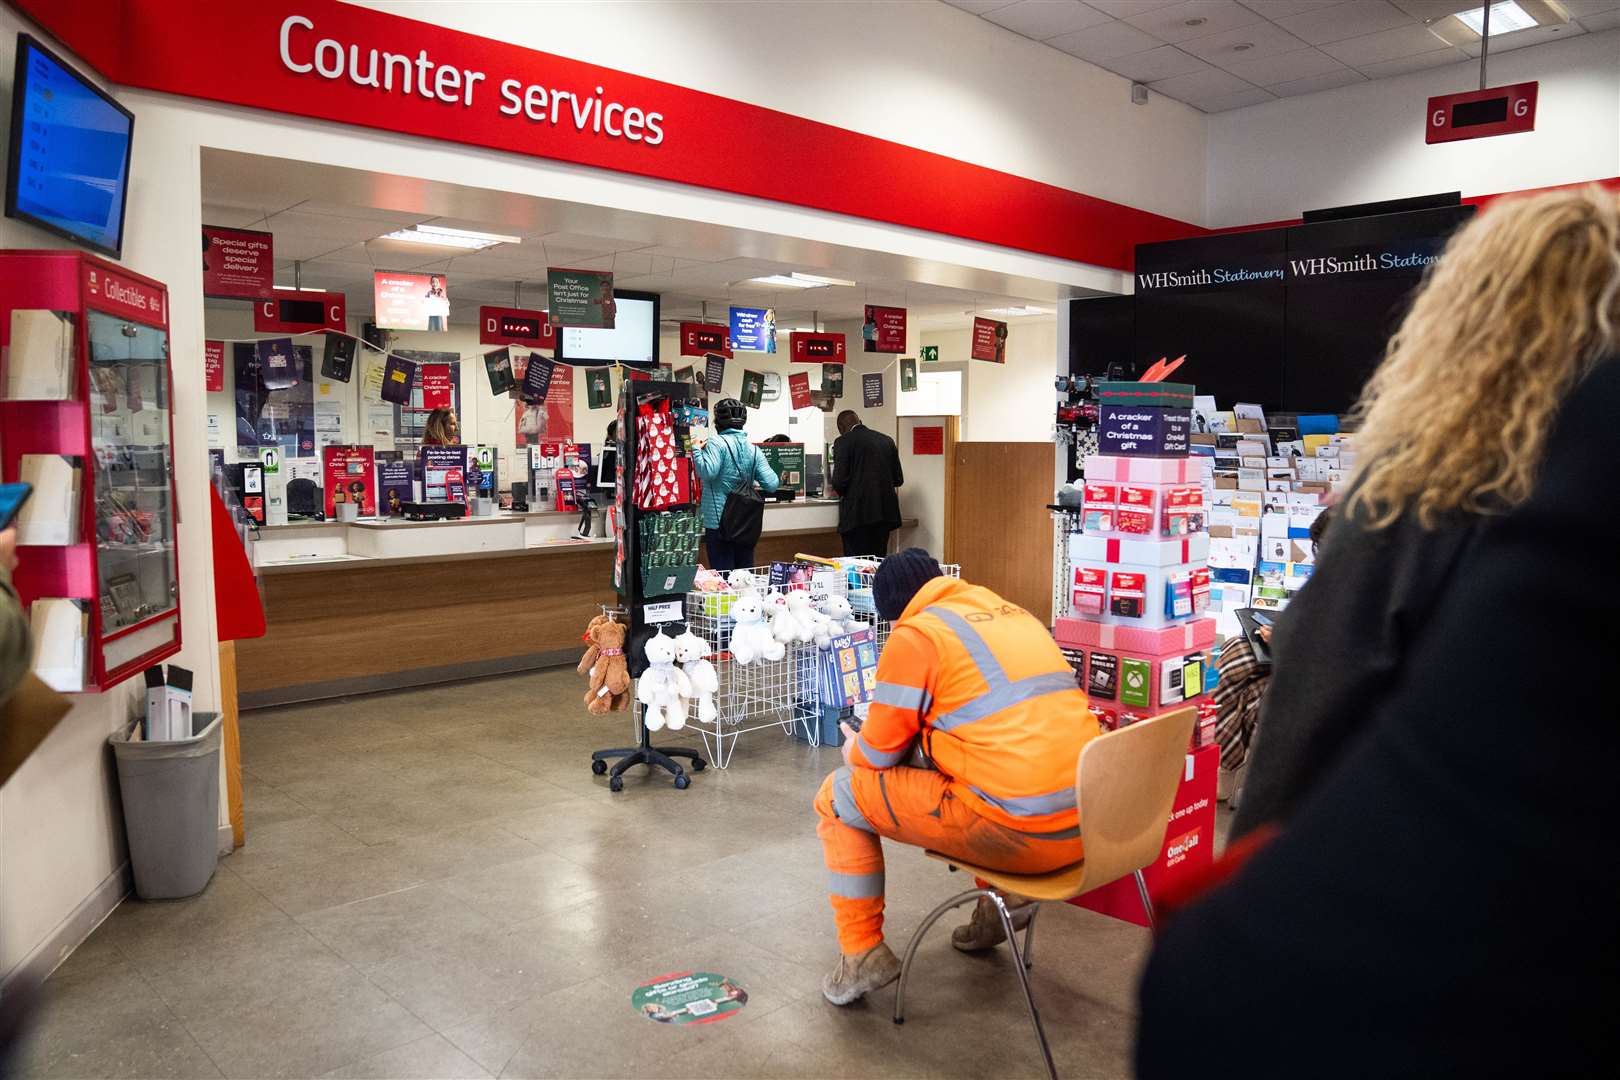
(866, 474)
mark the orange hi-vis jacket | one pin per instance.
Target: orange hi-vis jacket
(995, 705)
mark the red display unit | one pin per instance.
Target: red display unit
(86, 393)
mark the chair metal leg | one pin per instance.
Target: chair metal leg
(1023, 982)
(1147, 902)
(916, 940)
(1029, 936)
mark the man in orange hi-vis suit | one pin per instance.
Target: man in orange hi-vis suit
(976, 688)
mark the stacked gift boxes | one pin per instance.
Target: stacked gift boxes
(1136, 632)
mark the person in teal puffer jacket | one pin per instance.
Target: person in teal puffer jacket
(725, 463)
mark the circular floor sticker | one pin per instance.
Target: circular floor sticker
(688, 997)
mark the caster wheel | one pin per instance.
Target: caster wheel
(599, 767)
(615, 783)
(699, 765)
(682, 782)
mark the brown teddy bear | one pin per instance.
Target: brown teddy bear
(605, 663)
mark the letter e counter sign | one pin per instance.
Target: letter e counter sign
(1501, 110)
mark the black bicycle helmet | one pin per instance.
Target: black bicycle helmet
(730, 413)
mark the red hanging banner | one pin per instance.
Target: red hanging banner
(799, 388)
(238, 264)
(295, 311)
(437, 391)
(816, 348)
(885, 329)
(989, 341)
(213, 366)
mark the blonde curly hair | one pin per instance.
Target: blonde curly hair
(1524, 302)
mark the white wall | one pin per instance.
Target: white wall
(1365, 142)
(1011, 402)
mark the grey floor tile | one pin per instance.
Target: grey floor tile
(291, 843)
(315, 886)
(432, 1058)
(369, 932)
(514, 892)
(457, 850)
(228, 907)
(245, 970)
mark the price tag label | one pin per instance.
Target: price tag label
(665, 612)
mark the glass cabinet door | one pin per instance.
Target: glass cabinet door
(134, 470)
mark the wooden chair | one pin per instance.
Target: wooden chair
(1125, 786)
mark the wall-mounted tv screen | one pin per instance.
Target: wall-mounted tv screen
(69, 166)
(632, 341)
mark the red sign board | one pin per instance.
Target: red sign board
(885, 329)
(515, 326)
(238, 264)
(350, 474)
(436, 387)
(799, 388)
(213, 366)
(928, 441)
(701, 339)
(1477, 114)
(296, 311)
(989, 341)
(124, 294)
(816, 348)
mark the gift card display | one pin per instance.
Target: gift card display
(1135, 513)
(1135, 679)
(1126, 595)
(1090, 589)
(1102, 676)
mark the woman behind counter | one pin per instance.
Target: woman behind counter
(442, 429)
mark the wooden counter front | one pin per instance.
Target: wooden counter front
(356, 626)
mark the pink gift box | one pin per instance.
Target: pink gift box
(1147, 551)
(1143, 470)
(1183, 636)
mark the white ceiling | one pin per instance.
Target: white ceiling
(328, 221)
(1226, 54)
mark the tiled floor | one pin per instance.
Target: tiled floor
(435, 885)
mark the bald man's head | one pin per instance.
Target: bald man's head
(848, 421)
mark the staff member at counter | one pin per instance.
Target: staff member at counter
(443, 429)
(726, 462)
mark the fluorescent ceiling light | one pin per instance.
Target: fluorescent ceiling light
(298, 288)
(1011, 312)
(782, 281)
(442, 236)
(1506, 17)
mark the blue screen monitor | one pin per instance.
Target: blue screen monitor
(69, 166)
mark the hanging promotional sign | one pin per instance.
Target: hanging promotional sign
(213, 366)
(989, 341)
(278, 370)
(816, 348)
(238, 264)
(799, 389)
(297, 311)
(398, 375)
(832, 380)
(714, 373)
(515, 326)
(536, 379)
(437, 389)
(884, 330)
(552, 418)
(753, 329)
(872, 390)
(908, 375)
(700, 339)
(580, 298)
(753, 388)
(406, 301)
(498, 366)
(598, 388)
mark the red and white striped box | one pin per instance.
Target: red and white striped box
(1180, 637)
(1118, 469)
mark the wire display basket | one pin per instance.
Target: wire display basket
(784, 693)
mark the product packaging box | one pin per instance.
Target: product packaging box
(1136, 593)
(1143, 641)
(1102, 676)
(1101, 500)
(1090, 595)
(1144, 431)
(1145, 552)
(1120, 469)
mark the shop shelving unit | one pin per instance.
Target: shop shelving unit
(117, 425)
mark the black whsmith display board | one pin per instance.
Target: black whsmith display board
(1293, 319)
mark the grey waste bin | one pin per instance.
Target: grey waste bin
(171, 808)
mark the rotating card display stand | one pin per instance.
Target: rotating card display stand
(636, 604)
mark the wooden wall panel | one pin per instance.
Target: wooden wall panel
(999, 528)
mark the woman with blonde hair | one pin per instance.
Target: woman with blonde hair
(442, 429)
(1431, 788)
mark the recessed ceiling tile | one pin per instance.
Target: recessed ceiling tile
(1277, 9)
(1200, 85)
(230, 217)
(1539, 35)
(1244, 43)
(1042, 19)
(1407, 64)
(1240, 100)
(1299, 64)
(1194, 19)
(1124, 9)
(1331, 81)
(1345, 21)
(1165, 62)
(1384, 45)
(1602, 20)
(978, 7)
(1105, 41)
(1437, 9)
(1580, 9)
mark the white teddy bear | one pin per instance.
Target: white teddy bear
(843, 618)
(664, 687)
(783, 627)
(693, 654)
(741, 582)
(803, 616)
(751, 639)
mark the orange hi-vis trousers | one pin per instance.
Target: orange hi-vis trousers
(857, 806)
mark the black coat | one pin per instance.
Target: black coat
(866, 472)
(1441, 901)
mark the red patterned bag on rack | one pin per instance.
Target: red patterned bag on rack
(663, 472)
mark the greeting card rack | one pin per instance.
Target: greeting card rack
(638, 605)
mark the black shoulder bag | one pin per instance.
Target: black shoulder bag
(743, 518)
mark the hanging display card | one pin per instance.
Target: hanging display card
(832, 380)
(753, 329)
(908, 375)
(799, 389)
(989, 341)
(498, 366)
(437, 392)
(580, 298)
(872, 390)
(537, 378)
(714, 372)
(277, 368)
(238, 264)
(337, 358)
(884, 330)
(213, 366)
(816, 348)
(753, 388)
(598, 388)
(398, 374)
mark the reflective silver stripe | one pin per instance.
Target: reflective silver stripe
(1071, 833)
(844, 802)
(1004, 696)
(985, 660)
(881, 759)
(855, 886)
(900, 697)
(1030, 805)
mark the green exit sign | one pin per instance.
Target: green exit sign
(930, 354)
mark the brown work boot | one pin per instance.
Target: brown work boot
(860, 972)
(984, 930)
